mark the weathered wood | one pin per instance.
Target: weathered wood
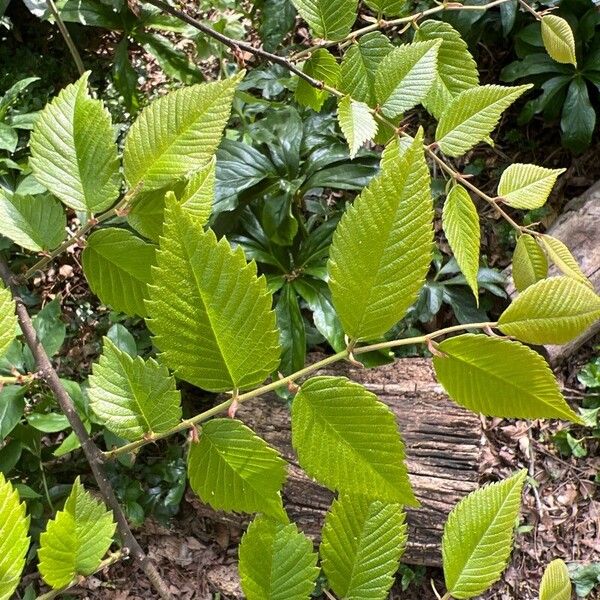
(442, 444)
(579, 228)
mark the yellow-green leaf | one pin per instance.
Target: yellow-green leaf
(551, 311)
(527, 186)
(558, 39)
(389, 8)
(556, 584)
(8, 320)
(499, 378)
(529, 262)
(461, 226)
(328, 19)
(14, 542)
(561, 256)
(321, 66)
(356, 122)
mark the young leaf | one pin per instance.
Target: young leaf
(232, 469)
(199, 193)
(356, 122)
(551, 311)
(14, 542)
(381, 249)
(461, 226)
(561, 256)
(361, 547)
(133, 397)
(8, 320)
(556, 584)
(36, 223)
(405, 76)
(389, 8)
(527, 186)
(177, 133)
(73, 151)
(472, 115)
(359, 66)
(117, 265)
(529, 262)
(328, 19)
(277, 562)
(322, 66)
(499, 378)
(558, 39)
(349, 441)
(76, 539)
(478, 537)
(226, 333)
(456, 68)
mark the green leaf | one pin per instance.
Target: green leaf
(359, 66)
(558, 39)
(73, 152)
(48, 422)
(348, 440)
(356, 122)
(328, 19)
(278, 18)
(478, 537)
(199, 193)
(76, 539)
(578, 119)
(405, 76)
(12, 406)
(456, 68)
(8, 320)
(461, 226)
(124, 76)
(14, 542)
(561, 256)
(292, 334)
(499, 378)
(133, 397)
(361, 547)
(117, 265)
(529, 262)
(226, 333)
(472, 115)
(36, 223)
(556, 584)
(321, 66)
(381, 249)
(390, 8)
(177, 133)
(277, 562)
(232, 469)
(551, 311)
(527, 186)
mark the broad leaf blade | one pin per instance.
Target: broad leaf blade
(561, 256)
(405, 76)
(356, 122)
(76, 539)
(361, 547)
(73, 152)
(461, 226)
(529, 262)
(499, 378)
(556, 584)
(551, 311)
(472, 115)
(198, 194)
(206, 292)
(14, 542)
(36, 223)
(478, 537)
(349, 441)
(8, 320)
(133, 397)
(232, 469)
(381, 248)
(456, 68)
(527, 186)
(322, 66)
(390, 8)
(117, 265)
(277, 562)
(328, 19)
(177, 133)
(558, 39)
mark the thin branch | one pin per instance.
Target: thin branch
(93, 455)
(67, 37)
(284, 381)
(16, 379)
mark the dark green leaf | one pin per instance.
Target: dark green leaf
(578, 117)
(278, 17)
(125, 77)
(12, 405)
(292, 335)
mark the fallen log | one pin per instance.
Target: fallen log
(442, 446)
